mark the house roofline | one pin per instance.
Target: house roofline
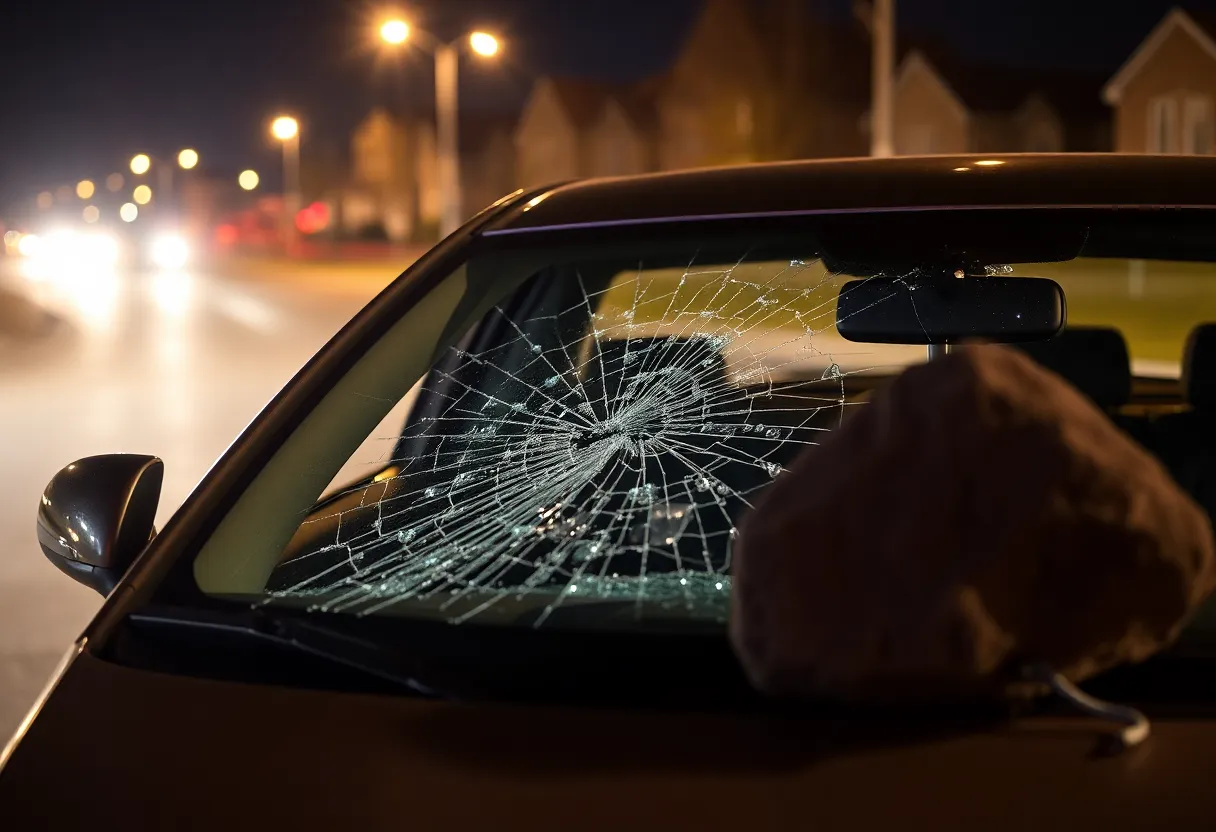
(917, 57)
(1175, 18)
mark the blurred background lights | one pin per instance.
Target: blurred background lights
(128, 212)
(169, 251)
(142, 194)
(248, 179)
(84, 188)
(188, 158)
(45, 200)
(91, 213)
(114, 182)
(140, 164)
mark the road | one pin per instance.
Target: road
(173, 364)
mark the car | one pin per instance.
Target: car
(471, 568)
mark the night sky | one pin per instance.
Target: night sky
(86, 85)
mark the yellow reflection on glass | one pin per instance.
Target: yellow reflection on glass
(989, 163)
(142, 194)
(84, 188)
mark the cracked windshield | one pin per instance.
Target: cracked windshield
(593, 441)
(598, 440)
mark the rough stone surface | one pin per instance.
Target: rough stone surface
(979, 513)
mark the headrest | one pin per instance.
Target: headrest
(1094, 359)
(1199, 366)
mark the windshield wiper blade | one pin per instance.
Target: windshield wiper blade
(328, 644)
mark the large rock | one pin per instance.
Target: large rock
(977, 514)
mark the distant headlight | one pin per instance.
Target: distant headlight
(72, 249)
(28, 245)
(169, 251)
(99, 249)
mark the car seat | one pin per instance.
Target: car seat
(1184, 441)
(1094, 359)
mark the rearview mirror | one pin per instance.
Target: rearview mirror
(97, 515)
(885, 310)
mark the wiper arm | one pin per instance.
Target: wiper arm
(329, 644)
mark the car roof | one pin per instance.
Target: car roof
(843, 185)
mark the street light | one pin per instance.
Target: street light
(248, 180)
(395, 32)
(484, 44)
(140, 164)
(128, 212)
(188, 158)
(142, 194)
(287, 130)
(84, 188)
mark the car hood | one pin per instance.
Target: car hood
(115, 747)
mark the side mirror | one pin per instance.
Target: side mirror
(97, 515)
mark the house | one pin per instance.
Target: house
(759, 81)
(1163, 94)
(394, 185)
(572, 129)
(946, 105)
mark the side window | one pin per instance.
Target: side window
(1197, 125)
(1163, 125)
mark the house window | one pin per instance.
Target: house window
(1197, 135)
(1163, 125)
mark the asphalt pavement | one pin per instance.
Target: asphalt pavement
(173, 364)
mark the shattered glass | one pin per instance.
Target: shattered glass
(590, 448)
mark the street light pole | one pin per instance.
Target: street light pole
(287, 130)
(291, 181)
(447, 131)
(447, 62)
(882, 122)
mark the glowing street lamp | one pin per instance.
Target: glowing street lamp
(285, 128)
(84, 188)
(396, 32)
(140, 164)
(188, 158)
(142, 194)
(248, 179)
(484, 44)
(128, 212)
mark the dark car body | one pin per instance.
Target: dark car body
(164, 739)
